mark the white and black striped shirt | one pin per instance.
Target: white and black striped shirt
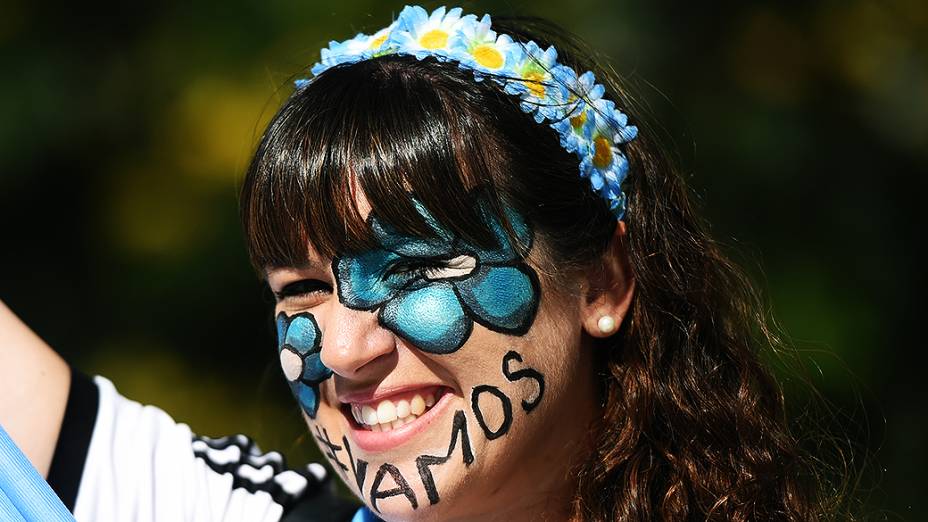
(118, 460)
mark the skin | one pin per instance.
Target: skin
(34, 383)
(525, 473)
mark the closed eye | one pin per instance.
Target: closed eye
(303, 288)
(417, 267)
(435, 268)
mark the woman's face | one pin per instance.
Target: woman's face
(442, 380)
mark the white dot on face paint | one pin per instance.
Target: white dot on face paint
(292, 365)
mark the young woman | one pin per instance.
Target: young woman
(494, 301)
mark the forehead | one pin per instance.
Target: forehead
(508, 234)
(361, 204)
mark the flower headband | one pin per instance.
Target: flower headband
(573, 105)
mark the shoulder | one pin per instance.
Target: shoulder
(117, 459)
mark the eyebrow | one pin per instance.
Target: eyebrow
(309, 264)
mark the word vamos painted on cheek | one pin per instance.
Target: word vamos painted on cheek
(431, 290)
(525, 373)
(505, 403)
(402, 487)
(424, 462)
(358, 467)
(331, 450)
(380, 489)
(299, 344)
(359, 472)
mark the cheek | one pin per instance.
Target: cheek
(431, 317)
(299, 345)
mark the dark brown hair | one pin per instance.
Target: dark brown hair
(693, 425)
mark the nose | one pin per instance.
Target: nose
(354, 345)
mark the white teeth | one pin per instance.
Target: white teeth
(389, 415)
(386, 412)
(368, 415)
(417, 405)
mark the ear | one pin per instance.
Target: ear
(608, 288)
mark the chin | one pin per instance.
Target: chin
(451, 483)
(413, 470)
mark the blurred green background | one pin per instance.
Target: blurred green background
(126, 127)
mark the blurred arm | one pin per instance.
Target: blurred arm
(34, 384)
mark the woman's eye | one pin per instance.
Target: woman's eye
(435, 268)
(302, 289)
(411, 268)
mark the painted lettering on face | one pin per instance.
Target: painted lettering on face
(526, 373)
(402, 487)
(331, 450)
(299, 342)
(358, 467)
(431, 291)
(505, 404)
(426, 463)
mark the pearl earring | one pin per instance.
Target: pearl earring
(606, 324)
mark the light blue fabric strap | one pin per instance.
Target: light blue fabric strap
(24, 494)
(8, 511)
(365, 515)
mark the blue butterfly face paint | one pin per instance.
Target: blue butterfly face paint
(430, 291)
(299, 343)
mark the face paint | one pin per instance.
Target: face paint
(389, 481)
(424, 462)
(463, 426)
(430, 291)
(299, 343)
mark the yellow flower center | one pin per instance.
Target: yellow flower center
(434, 39)
(487, 56)
(577, 121)
(533, 81)
(377, 42)
(603, 152)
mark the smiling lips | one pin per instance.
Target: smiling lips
(383, 421)
(390, 414)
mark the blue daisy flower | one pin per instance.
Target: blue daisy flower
(476, 46)
(299, 347)
(603, 162)
(361, 47)
(430, 291)
(574, 89)
(537, 89)
(422, 34)
(575, 132)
